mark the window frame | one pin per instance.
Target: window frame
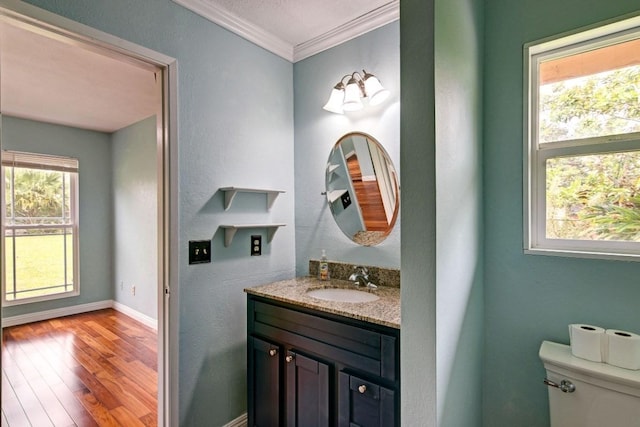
(50, 163)
(536, 154)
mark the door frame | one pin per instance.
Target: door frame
(73, 32)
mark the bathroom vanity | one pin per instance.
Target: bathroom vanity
(322, 363)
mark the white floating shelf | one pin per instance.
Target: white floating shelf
(230, 231)
(332, 167)
(230, 194)
(334, 195)
(332, 171)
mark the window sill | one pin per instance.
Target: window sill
(40, 298)
(572, 253)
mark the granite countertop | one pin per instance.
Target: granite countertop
(384, 311)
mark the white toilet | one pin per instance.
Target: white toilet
(589, 394)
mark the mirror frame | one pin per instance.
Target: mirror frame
(342, 187)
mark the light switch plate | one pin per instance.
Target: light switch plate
(199, 251)
(346, 200)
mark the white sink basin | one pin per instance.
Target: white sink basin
(342, 295)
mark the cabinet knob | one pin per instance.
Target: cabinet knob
(362, 388)
(273, 352)
(289, 358)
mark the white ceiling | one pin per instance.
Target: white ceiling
(297, 29)
(50, 78)
(55, 80)
(297, 21)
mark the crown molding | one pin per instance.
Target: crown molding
(359, 26)
(365, 23)
(240, 27)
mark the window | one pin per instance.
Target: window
(40, 217)
(582, 168)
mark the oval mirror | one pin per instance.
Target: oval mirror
(362, 188)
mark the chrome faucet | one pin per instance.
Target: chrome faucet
(360, 277)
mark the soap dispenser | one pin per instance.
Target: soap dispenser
(323, 267)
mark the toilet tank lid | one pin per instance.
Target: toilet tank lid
(560, 355)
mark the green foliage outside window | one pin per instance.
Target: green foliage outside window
(593, 197)
(606, 103)
(39, 196)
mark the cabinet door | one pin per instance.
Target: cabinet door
(364, 404)
(307, 391)
(264, 383)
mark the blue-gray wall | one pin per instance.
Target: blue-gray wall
(442, 261)
(236, 134)
(235, 128)
(459, 262)
(316, 132)
(533, 298)
(418, 199)
(94, 159)
(134, 181)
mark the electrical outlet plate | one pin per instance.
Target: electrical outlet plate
(256, 245)
(199, 251)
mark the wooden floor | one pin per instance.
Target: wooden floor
(92, 369)
(369, 198)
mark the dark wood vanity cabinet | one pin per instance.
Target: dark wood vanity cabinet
(307, 391)
(308, 368)
(265, 370)
(363, 403)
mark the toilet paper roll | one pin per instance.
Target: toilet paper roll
(588, 342)
(623, 349)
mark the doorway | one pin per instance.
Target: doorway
(121, 97)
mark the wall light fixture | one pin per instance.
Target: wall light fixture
(348, 98)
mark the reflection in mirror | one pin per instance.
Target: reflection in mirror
(362, 188)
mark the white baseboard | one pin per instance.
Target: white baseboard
(241, 421)
(140, 317)
(77, 309)
(58, 312)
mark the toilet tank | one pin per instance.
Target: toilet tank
(604, 395)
